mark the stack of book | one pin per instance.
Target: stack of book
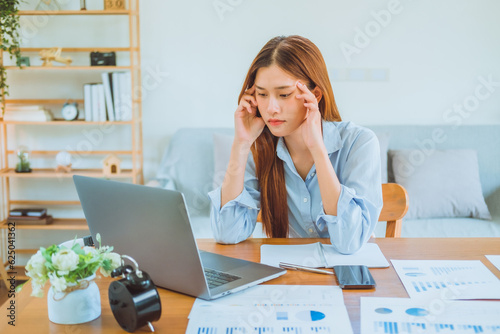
(27, 113)
(110, 100)
(30, 216)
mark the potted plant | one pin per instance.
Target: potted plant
(9, 36)
(23, 166)
(71, 269)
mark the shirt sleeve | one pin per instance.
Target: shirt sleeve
(236, 220)
(360, 200)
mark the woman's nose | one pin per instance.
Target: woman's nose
(273, 106)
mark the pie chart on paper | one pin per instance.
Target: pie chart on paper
(310, 316)
(417, 312)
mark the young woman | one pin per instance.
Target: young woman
(292, 157)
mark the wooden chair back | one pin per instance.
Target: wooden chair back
(394, 209)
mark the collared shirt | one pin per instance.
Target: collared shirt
(355, 156)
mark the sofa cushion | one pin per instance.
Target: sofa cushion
(383, 141)
(222, 152)
(441, 183)
(444, 228)
(187, 166)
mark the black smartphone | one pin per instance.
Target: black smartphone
(354, 277)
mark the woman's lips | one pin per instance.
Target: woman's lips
(275, 122)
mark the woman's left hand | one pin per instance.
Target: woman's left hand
(311, 126)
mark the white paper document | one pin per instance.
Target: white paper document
(404, 315)
(447, 279)
(273, 309)
(318, 255)
(495, 259)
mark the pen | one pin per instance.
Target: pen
(304, 268)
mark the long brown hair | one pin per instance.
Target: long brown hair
(300, 58)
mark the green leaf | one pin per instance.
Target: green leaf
(77, 249)
(9, 25)
(106, 264)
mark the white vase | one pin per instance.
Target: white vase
(75, 307)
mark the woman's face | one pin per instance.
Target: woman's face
(275, 91)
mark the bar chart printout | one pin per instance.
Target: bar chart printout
(447, 279)
(276, 309)
(404, 315)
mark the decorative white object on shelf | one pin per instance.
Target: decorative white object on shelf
(23, 166)
(111, 165)
(54, 54)
(48, 5)
(63, 160)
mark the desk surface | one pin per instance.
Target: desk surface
(31, 313)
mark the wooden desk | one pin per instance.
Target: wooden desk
(31, 313)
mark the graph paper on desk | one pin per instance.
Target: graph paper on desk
(293, 309)
(403, 315)
(268, 330)
(447, 279)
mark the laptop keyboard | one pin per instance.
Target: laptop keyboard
(217, 278)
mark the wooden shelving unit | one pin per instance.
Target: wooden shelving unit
(133, 151)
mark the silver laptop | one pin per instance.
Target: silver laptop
(152, 226)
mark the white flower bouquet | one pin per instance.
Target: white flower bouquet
(63, 266)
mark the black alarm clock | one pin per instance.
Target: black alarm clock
(134, 300)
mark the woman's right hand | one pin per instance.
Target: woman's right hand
(247, 125)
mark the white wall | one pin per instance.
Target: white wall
(428, 59)
(407, 61)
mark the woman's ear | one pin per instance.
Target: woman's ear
(318, 93)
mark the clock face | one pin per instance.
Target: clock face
(70, 111)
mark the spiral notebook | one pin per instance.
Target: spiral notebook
(318, 255)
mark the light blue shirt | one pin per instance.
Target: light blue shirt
(355, 155)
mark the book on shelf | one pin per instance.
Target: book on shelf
(95, 103)
(45, 220)
(24, 107)
(107, 82)
(110, 100)
(28, 212)
(87, 101)
(125, 96)
(116, 94)
(42, 115)
(101, 101)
